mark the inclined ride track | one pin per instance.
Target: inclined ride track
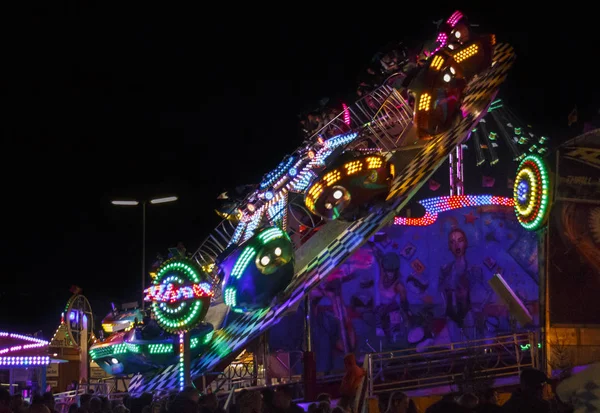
(382, 121)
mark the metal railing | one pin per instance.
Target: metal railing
(391, 121)
(451, 364)
(236, 375)
(384, 102)
(65, 399)
(251, 374)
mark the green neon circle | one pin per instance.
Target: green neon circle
(533, 211)
(182, 317)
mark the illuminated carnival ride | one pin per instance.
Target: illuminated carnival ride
(282, 237)
(350, 186)
(258, 270)
(180, 297)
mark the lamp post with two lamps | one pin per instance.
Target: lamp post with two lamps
(153, 201)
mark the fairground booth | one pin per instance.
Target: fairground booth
(23, 363)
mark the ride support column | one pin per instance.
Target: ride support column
(309, 359)
(184, 360)
(84, 362)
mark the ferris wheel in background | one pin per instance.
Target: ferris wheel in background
(79, 319)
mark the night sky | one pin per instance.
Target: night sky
(98, 107)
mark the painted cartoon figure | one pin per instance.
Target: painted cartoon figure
(391, 302)
(456, 281)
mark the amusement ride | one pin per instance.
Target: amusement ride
(319, 205)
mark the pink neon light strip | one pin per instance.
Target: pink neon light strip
(441, 40)
(456, 16)
(346, 114)
(433, 206)
(35, 342)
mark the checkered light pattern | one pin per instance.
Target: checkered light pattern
(478, 96)
(246, 327)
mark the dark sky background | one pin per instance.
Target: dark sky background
(191, 102)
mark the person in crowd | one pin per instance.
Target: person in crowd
(324, 397)
(267, 398)
(120, 409)
(74, 408)
(283, 401)
(446, 404)
(95, 405)
(352, 377)
(488, 402)
(16, 403)
(346, 404)
(323, 407)
(4, 401)
(250, 402)
(49, 401)
(209, 403)
(529, 396)
(188, 392)
(38, 408)
(398, 403)
(182, 403)
(468, 401)
(84, 401)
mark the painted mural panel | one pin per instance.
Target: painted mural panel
(421, 286)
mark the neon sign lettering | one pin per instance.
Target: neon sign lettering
(174, 293)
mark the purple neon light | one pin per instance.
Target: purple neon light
(25, 361)
(441, 41)
(34, 342)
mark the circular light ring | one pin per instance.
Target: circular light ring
(531, 192)
(181, 315)
(278, 173)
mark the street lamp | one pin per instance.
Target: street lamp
(153, 201)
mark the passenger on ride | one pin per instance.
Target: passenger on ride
(334, 119)
(315, 122)
(394, 60)
(304, 132)
(370, 79)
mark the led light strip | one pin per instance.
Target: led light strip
(532, 177)
(25, 361)
(434, 206)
